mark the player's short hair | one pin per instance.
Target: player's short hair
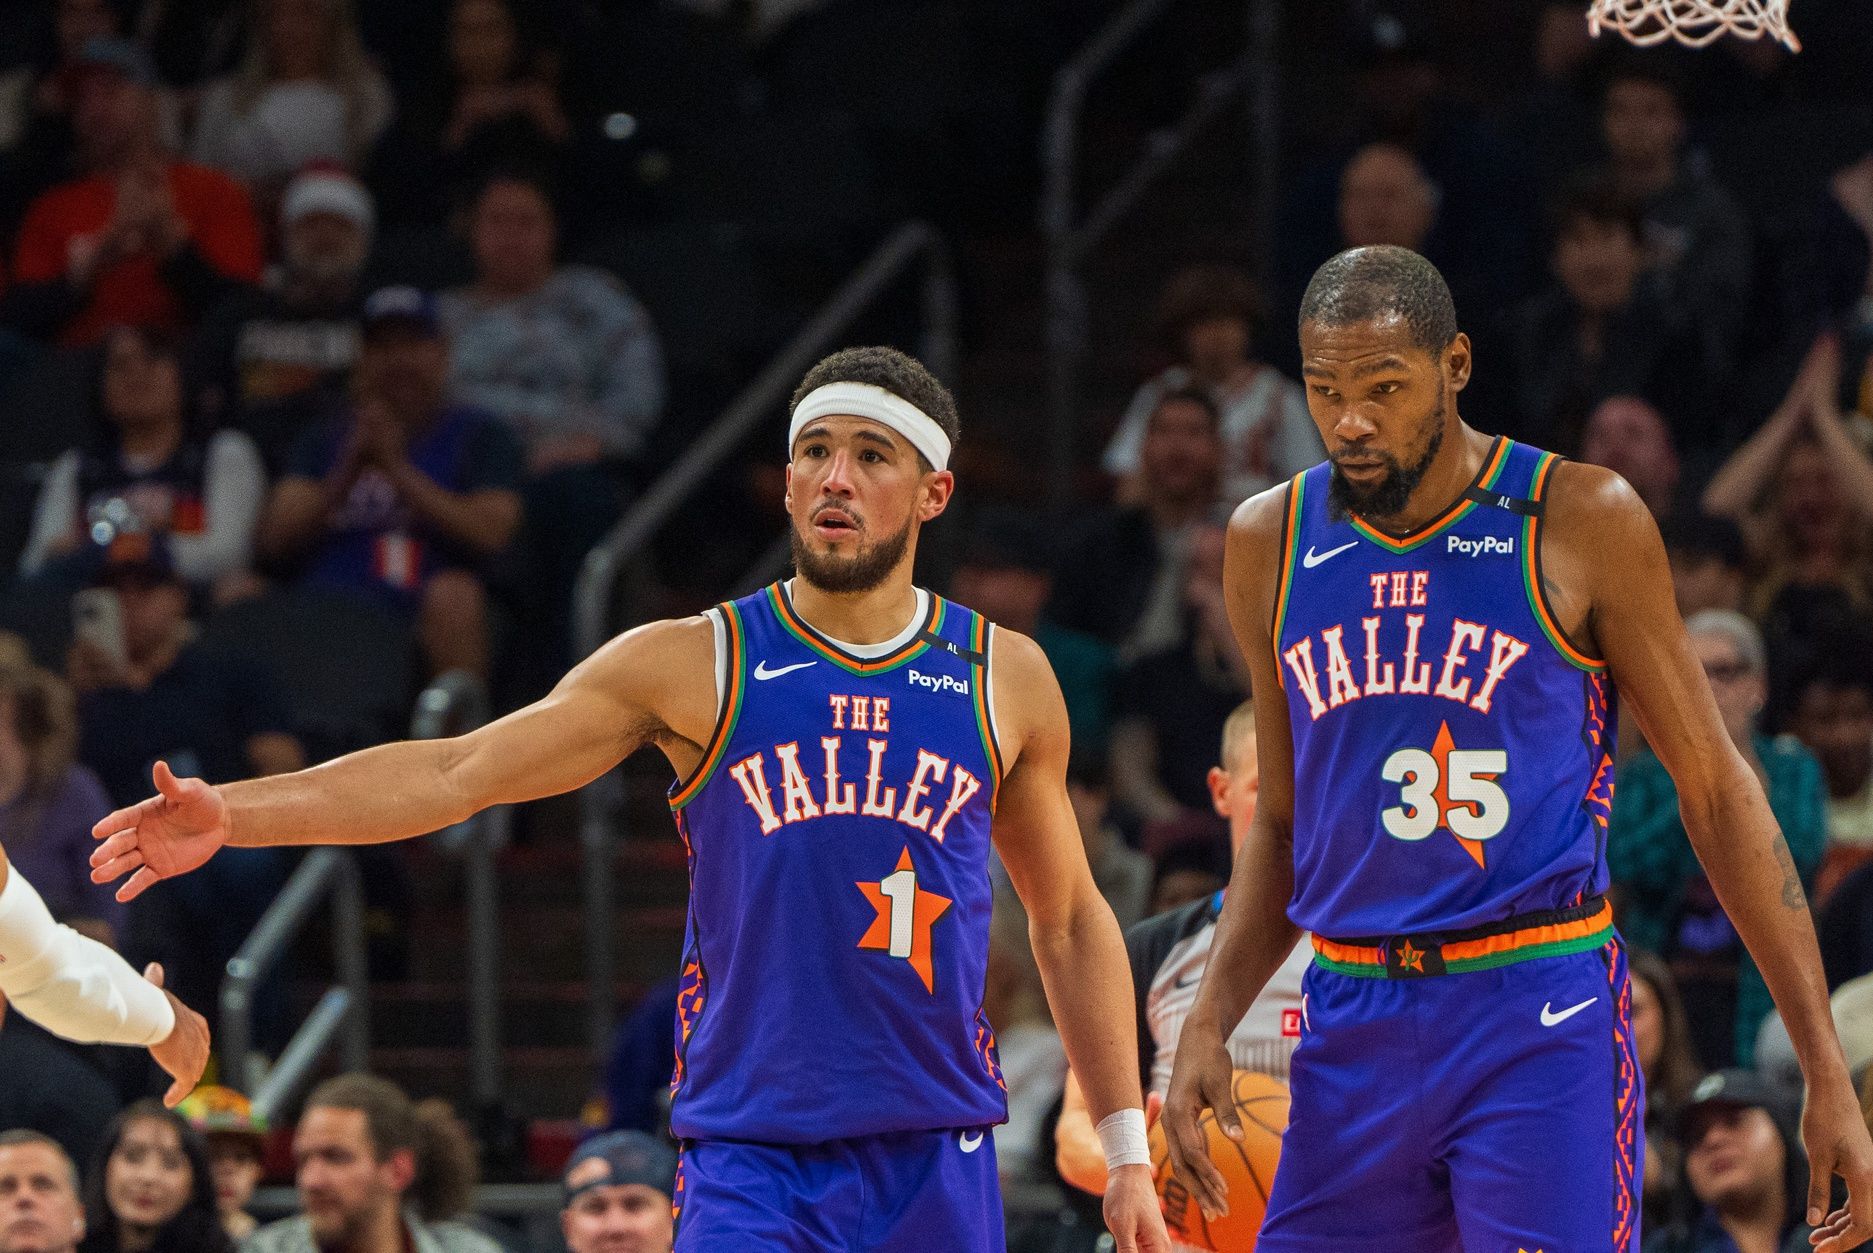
(1365, 283)
(1190, 395)
(1238, 730)
(21, 1137)
(897, 372)
(1203, 293)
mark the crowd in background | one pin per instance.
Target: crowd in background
(294, 341)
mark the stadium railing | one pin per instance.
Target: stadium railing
(619, 555)
(1072, 233)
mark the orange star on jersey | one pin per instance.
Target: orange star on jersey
(1410, 958)
(905, 915)
(1440, 752)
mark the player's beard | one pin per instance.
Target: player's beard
(865, 569)
(1387, 497)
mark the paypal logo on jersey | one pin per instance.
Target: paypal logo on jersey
(940, 683)
(1487, 546)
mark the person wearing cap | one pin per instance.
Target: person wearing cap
(236, 1142)
(618, 1195)
(405, 496)
(274, 359)
(141, 237)
(838, 1083)
(1744, 1166)
(165, 693)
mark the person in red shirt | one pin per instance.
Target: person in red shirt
(141, 239)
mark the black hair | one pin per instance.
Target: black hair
(1191, 395)
(1661, 67)
(1365, 283)
(526, 174)
(1701, 536)
(1594, 201)
(1201, 293)
(196, 1228)
(1089, 767)
(896, 372)
(157, 342)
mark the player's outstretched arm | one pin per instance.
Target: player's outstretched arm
(1601, 538)
(652, 683)
(79, 989)
(1077, 942)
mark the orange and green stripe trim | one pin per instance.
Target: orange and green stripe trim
(855, 665)
(1290, 549)
(979, 641)
(1487, 953)
(1486, 478)
(1532, 581)
(726, 719)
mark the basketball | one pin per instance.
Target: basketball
(1247, 1167)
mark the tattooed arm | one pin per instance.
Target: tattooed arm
(1612, 591)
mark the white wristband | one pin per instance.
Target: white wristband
(69, 984)
(1122, 1135)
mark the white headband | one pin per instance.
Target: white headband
(863, 400)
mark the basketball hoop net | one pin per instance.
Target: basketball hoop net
(1693, 22)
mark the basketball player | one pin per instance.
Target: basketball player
(80, 989)
(841, 742)
(1436, 621)
(1169, 953)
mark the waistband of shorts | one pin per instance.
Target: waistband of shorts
(1525, 937)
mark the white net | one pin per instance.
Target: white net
(1693, 22)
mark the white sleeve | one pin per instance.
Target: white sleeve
(73, 986)
(234, 487)
(55, 514)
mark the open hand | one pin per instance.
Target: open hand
(169, 834)
(184, 1054)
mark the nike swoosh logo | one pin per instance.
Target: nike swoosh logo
(762, 672)
(1549, 1018)
(969, 1143)
(1310, 558)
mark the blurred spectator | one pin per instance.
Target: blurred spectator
(1745, 1168)
(1851, 1008)
(499, 109)
(618, 1195)
(141, 238)
(1123, 581)
(406, 496)
(236, 1146)
(1831, 713)
(1667, 904)
(1005, 574)
(1697, 240)
(36, 102)
(1169, 954)
(1661, 1039)
(1550, 122)
(48, 801)
(1845, 928)
(1709, 563)
(378, 1173)
(39, 1207)
(638, 1072)
(1171, 704)
(271, 357)
(1033, 1061)
(1207, 317)
(568, 358)
(1801, 489)
(1629, 437)
(149, 1189)
(564, 353)
(1187, 871)
(1386, 198)
(151, 470)
(207, 713)
(1598, 331)
(304, 91)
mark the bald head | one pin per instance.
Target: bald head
(1386, 198)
